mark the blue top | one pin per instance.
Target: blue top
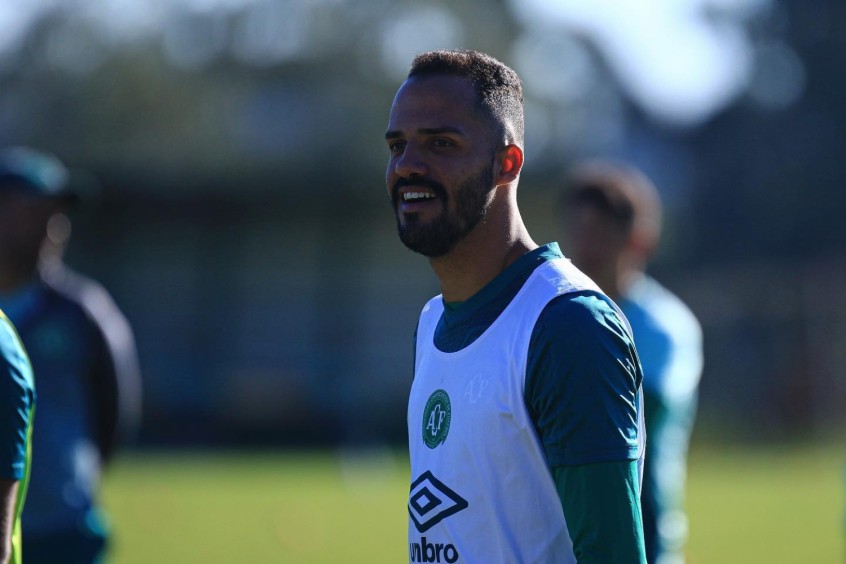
(17, 393)
(668, 338)
(72, 331)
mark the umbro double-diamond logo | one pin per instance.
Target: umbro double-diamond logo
(430, 501)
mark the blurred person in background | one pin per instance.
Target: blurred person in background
(83, 355)
(524, 416)
(613, 222)
(17, 405)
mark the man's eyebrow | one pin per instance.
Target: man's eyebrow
(439, 130)
(427, 131)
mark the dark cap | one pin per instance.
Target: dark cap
(35, 173)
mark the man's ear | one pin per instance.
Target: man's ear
(509, 162)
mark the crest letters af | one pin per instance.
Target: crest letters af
(436, 418)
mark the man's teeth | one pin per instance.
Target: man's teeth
(413, 196)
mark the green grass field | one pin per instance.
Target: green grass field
(746, 505)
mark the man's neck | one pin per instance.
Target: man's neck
(629, 269)
(480, 257)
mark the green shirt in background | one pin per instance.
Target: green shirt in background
(17, 393)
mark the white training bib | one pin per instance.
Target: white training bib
(481, 489)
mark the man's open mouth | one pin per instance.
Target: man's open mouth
(418, 196)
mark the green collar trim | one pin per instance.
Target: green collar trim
(513, 276)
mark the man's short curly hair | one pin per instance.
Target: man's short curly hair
(620, 191)
(499, 90)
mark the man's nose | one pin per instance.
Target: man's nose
(410, 163)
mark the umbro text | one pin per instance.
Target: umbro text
(432, 552)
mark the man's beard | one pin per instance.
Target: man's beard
(439, 236)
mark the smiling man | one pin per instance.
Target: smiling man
(524, 418)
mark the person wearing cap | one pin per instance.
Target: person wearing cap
(17, 405)
(613, 222)
(83, 355)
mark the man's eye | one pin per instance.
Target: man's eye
(442, 143)
(396, 147)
